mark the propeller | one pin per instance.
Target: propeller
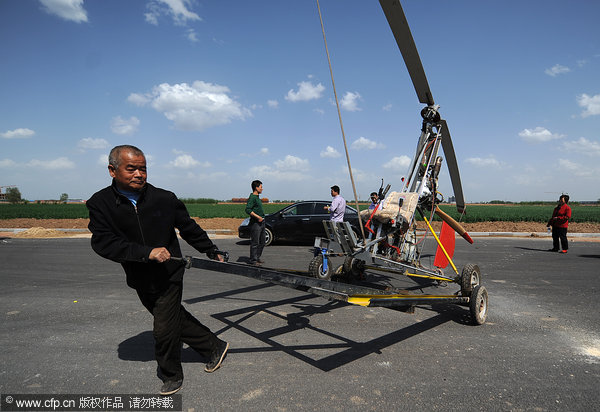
(399, 25)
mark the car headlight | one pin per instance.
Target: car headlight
(246, 222)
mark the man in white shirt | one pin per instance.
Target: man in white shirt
(338, 205)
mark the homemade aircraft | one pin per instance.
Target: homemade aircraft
(391, 245)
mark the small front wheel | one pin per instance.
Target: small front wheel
(479, 305)
(315, 269)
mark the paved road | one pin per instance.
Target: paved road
(70, 325)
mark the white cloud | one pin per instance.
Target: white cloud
(292, 163)
(138, 99)
(124, 126)
(590, 103)
(176, 9)
(288, 169)
(192, 36)
(583, 146)
(350, 102)
(264, 151)
(66, 9)
(91, 143)
(17, 134)
(273, 104)
(556, 70)
(576, 169)
(306, 91)
(7, 163)
(387, 108)
(193, 107)
(398, 163)
(60, 163)
(539, 134)
(330, 152)
(186, 161)
(103, 160)
(362, 143)
(490, 161)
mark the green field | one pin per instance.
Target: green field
(475, 213)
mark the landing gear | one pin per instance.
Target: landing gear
(479, 305)
(353, 268)
(320, 267)
(469, 279)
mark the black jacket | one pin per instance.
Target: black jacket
(126, 234)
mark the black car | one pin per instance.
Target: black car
(300, 222)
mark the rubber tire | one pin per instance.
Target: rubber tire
(479, 305)
(315, 269)
(353, 268)
(268, 236)
(470, 278)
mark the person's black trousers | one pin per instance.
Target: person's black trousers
(172, 326)
(257, 240)
(559, 233)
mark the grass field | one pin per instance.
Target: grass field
(475, 213)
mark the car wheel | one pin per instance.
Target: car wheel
(268, 236)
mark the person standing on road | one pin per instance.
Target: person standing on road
(254, 208)
(374, 201)
(133, 223)
(338, 205)
(560, 223)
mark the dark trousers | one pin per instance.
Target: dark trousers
(560, 233)
(257, 240)
(172, 326)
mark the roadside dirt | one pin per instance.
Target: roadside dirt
(40, 228)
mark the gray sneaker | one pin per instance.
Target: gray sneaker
(170, 387)
(217, 356)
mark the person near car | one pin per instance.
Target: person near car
(254, 208)
(560, 223)
(338, 205)
(374, 201)
(133, 223)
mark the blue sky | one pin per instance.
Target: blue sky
(220, 93)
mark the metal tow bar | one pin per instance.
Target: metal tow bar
(357, 295)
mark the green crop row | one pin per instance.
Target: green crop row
(475, 213)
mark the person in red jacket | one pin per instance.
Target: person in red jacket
(560, 222)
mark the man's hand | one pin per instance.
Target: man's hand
(160, 254)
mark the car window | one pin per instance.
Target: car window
(349, 211)
(299, 209)
(320, 208)
(305, 208)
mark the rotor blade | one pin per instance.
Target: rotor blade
(452, 167)
(453, 224)
(397, 21)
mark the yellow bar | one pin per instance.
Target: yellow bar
(440, 244)
(364, 300)
(429, 277)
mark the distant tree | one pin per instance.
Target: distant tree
(64, 197)
(13, 195)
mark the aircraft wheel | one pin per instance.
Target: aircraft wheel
(479, 305)
(315, 269)
(469, 279)
(268, 236)
(353, 268)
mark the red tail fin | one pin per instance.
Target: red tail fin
(448, 240)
